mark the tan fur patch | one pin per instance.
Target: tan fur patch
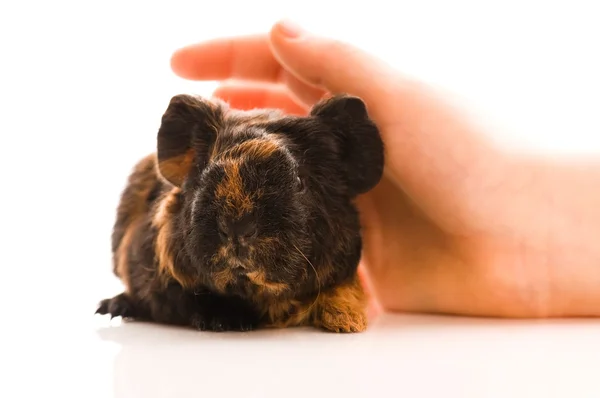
(132, 207)
(259, 278)
(175, 169)
(231, 190)
(254, 149)
(222, 278)
(133, 203)
(222, 253)
(121, 256)
(163, 248)
(343, 309)
(288, 313)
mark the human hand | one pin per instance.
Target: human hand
(456, 225)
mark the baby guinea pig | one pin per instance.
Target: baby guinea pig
(246, 219)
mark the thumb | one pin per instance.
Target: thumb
(330, 64)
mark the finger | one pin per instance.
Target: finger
(245, 57)
(333, 66)
(245, 96)
(306, 94)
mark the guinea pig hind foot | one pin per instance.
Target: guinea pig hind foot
(119, 305)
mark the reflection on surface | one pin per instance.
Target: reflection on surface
(163, 361)
(418, 354)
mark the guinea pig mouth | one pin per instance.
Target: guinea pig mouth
(238, 265)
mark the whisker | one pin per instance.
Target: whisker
(316, 276)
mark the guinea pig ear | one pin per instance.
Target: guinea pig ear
(187, 131)
(361, 145)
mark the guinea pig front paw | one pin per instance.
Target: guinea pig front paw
(223, 322)
(343, 322)
(120, 305)
(343, 309)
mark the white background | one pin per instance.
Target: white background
(82, 88)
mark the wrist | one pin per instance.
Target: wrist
(569, 194)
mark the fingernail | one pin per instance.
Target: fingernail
(290, 29)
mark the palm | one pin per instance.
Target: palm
(415, 265)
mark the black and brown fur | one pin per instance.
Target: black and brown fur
(246, 219)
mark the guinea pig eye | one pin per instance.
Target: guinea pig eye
(221, 231)
(300, 183)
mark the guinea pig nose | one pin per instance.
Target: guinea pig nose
(245, 227)
(241, 251)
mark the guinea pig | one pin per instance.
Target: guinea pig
(247, 219)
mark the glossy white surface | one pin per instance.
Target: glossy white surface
(82, 88)
(415, 356)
